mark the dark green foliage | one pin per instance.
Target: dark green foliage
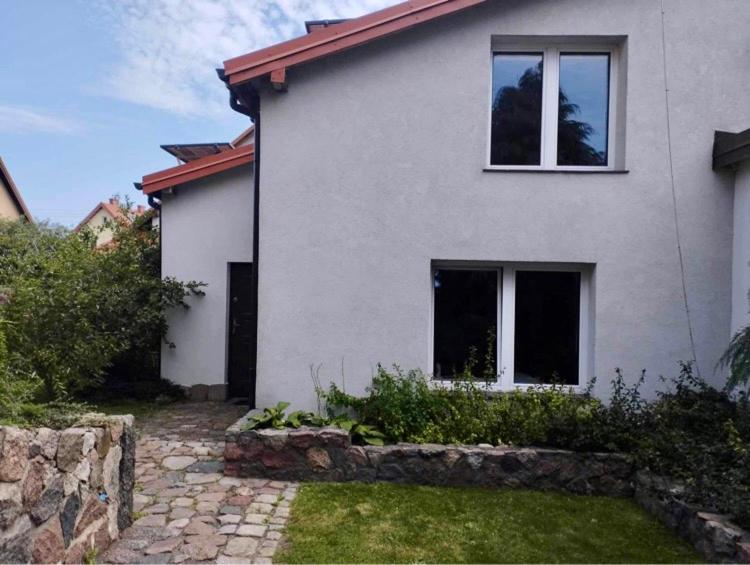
(737, 358)
(407, 407)
(71, 310)
(276, 418)
(701, 436)
(272, 418)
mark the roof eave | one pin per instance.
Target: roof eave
(340, 37)
(200, 168)
(730, 149)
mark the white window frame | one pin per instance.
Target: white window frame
(550, 91)
(506, 309)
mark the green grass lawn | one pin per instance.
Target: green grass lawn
(386, 523)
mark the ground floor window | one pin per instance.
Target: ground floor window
(511, 324)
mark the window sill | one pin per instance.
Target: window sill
(559, 171)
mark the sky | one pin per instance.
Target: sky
(89, 89)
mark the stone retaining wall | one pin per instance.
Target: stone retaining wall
(65, 492)
(714, 535)
(327, 454)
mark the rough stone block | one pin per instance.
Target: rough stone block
(47, 546)
(217, 393)
(49, 502)
(93, 509)
(70, 449)
(318, 459)
(198, 393)
(68, 517)
(14, 449)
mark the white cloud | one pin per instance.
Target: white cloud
(15, 119)
(170, 48)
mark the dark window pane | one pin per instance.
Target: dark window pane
(465, 322)
(516, 109)
(583, 112)
(547, 327)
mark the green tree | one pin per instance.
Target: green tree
(72, 308)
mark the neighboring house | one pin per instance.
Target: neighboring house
(12, 205)
(527, 182)
(102, 218)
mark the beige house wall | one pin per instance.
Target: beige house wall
(8, 208)
(98, 222)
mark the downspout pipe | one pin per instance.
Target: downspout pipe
(253, 112)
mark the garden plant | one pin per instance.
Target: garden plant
(72, 312)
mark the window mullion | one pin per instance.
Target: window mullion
(550, 106)
(507, 330)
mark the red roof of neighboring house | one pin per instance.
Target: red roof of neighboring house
(15, 194)
(200, 168)
(325, 41)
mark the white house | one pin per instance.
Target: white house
(530, 181)
(206, 227)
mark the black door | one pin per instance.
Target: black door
(241, 366)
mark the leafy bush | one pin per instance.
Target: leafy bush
(72, 309)
(700, 436)
(407, 407)
(737, 357)
(17, 394)
(275, 417)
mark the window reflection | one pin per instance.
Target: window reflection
(583, 111)
(465, 323)
(516, 108)
(547, 327)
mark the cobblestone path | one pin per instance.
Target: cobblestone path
(186, 511)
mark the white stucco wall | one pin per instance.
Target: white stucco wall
(741, 249)
(205, 225)
(372, 167)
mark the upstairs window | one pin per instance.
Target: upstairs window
(552, 108)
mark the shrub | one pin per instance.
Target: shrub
(700, 436)
(737, 357)
(73, 309)
(407, 407)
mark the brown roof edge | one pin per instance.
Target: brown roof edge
(339, 37)
(243, 136)
(730, 149)
(15, 194)
(200, 168)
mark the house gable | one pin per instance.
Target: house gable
(11, 203)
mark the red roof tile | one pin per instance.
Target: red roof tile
(200, 168)
(336, 38)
